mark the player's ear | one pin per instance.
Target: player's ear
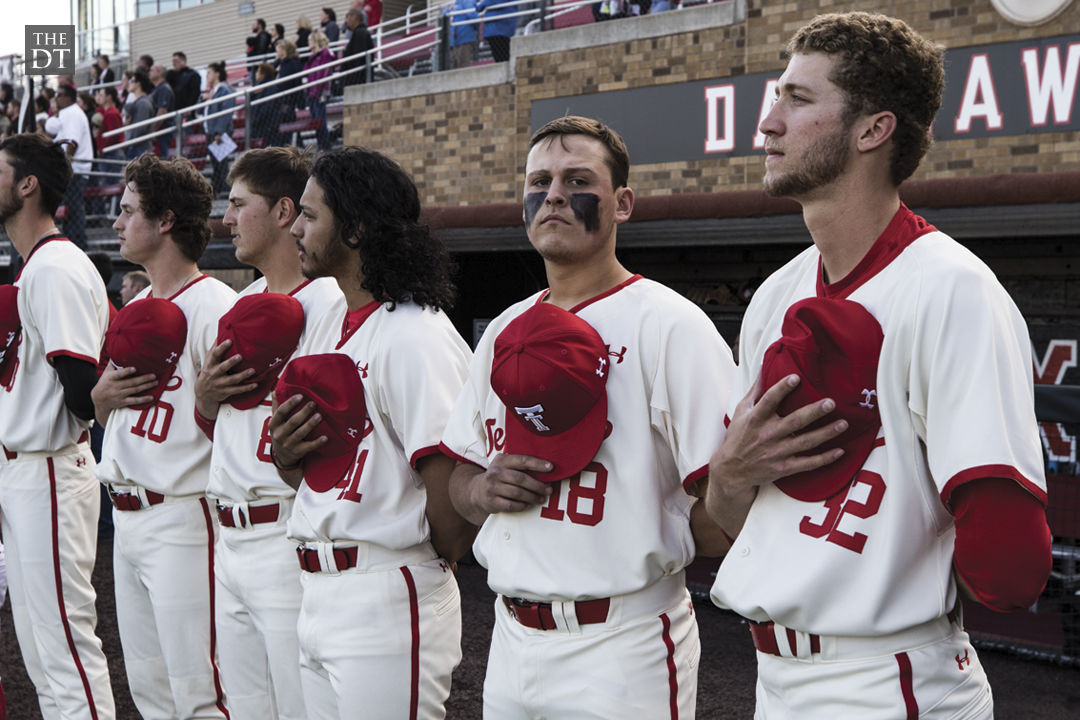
(285, 210)
(624, 204)
(28, 184)
(875, 130)
(167, 221)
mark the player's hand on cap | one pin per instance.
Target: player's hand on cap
(506, 485)
(216, 382)
(121, 387)
(761, 447)
(290, 425)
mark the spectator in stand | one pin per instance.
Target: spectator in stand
(498, 29)
(95, 74)
(265, 117)
(134, 283)
(86, 103)
(359, 41)
(145, 62)
(278, 36)
(185, 82)
(462, 37)
(111, 119)
(136, 111)
(303, 31)
(163, 99)
(329, 25)
(73, 129)
(258, 43)
(289, 63)
(372, 12)
(318, 93)
(41, 112)
(217, 128)
(106, 74)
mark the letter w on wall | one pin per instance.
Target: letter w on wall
(1060, 356)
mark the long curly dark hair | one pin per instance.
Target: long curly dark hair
(377, 211)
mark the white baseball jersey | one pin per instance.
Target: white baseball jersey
(412, 363)
(241, 468)
(954, 389)
(64, 311)
(670, 374)
(160, 448)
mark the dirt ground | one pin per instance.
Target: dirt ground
(1023, 689)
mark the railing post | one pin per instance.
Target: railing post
(545, 22)
(247, 118)
(443, 55)
(178, 120)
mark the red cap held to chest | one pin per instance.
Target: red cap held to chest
(833, 345)
(265, 329)
(332, 382)
(149, 335)
(10, 327)
(550, 369)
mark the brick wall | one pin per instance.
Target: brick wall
(466, 146)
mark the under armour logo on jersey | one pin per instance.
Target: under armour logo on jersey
(603, 364)
(80, 462)
(362, 370)
(535, 415)
(868, 396)
(961, 660)
(618, 355)
(172, 358)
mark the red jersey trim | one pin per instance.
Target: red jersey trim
(181, 290)
(298, 288)
(360, 315)
(904, 228)
(34, 250)
(423, 453)
(693, 477)
(610, 291)
(988, 471)
(70, 354)
(454, 456)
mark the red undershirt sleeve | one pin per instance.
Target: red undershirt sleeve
(1002, 547)
(205, 424)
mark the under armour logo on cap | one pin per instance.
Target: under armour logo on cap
(833, 345)
(149, 335)
(264, 328)
(546, 373)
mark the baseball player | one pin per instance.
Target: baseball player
(47, 486)
(380, 623)
(156, 461)
(258, 583)
(849, 573)
(590, 412)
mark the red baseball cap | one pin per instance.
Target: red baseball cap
(265, 329)
(332, 382)
(550, 370)
(148, 334)
(833, 345)
(10, 327)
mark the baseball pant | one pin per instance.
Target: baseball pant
(641, 663)
(163, 568)
(257, 606)
(938, 680)
(380, 642)
(50, 506)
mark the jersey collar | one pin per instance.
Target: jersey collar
(582, 305)
(902, 230)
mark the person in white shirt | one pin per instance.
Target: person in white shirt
(73, 129)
